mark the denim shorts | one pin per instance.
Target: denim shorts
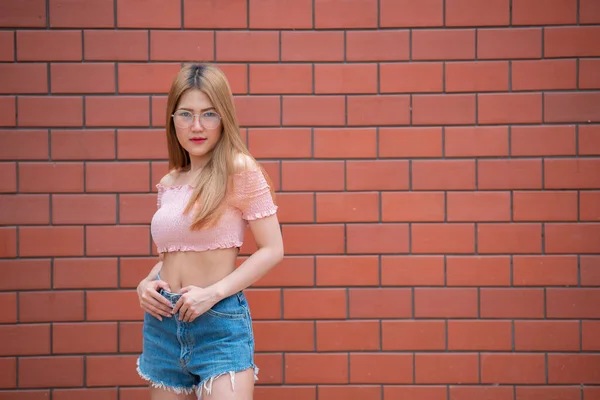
(185, 357)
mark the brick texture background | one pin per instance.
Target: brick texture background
(437, 167)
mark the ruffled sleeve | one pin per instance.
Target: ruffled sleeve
(252, 195)
(161, 189)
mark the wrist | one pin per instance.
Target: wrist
(217, 292)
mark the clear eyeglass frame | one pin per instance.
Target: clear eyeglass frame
(211, 122)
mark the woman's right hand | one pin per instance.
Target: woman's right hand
(151, 300)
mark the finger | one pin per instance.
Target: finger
(159, 311)
(160, 298)
(158, 317)
(177, 306)
(185, 289)
(163, 285)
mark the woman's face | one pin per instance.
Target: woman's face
(198, 134)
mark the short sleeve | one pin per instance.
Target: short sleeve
(252, 195)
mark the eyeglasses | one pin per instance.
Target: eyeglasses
(184, 119)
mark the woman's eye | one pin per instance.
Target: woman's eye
(210, 114)
(185, 114)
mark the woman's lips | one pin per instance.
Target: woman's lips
(198, 140)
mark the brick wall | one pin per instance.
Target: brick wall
(438, 177)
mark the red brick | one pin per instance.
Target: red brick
(8, 315)
(215, 14)
(476, 13)
(8, 248)
(272, 370)
(316, 368)
(117, 111)
(146, 78)
(51, 306)
(23, 78)
(8, 380)
(247, 46)
(82, 145)
(259, 110)
(49, 45)
(572, 238)
(415, 392)
(359, 143)
(412, 206)
(345, 78)
(545, 206)
(314, 111)
(347, 271)
(25, 209)
(23, 13)
(547, 335)
(23, 144)
(381, 368)
(509, 238)
(478, 271)
(407, 13)
(448, 109)
(413, 335)
(412, 270)
(572, 303)
(275, 14)
(50, 372)
(591, 392)
(288, 392)
(544, 12)
(76, 14)
(513, 43)
(589, 206)
(75, 78)
(41, 241)
(25, 274)
(513, 368)
(24, 339)
(77, 273)
(544, 75)
(410, 142)
(380, 303)
(476, 141)
(88, 337)
(478, 76)
(237, 76)
(115, 45)
(345, 14)
(543, 140)
(378, 110)
(8, 111)
(110, 305)
(117, 240)
(414, 77)
(377, 45)
(377, 175)
(130, 337)
(589, 78)
(377, 238)
(136, 208)
(442, 238)
(265, 303)
(302, 175)
(509, 108)
(7, 46)
(509, 174)
(589, 13)
(571, 174)
(149, 13)
(574, 369)
(443, 175)
(545, 271)
(112, 371)
(571, 107)
(347, 335)
(116, 177)
(347, 392)
(284, 336)
(314, 239)
(548, 392)
(280, 78)
(445, 303)
(487, 392)
(87, 393)
(296, 207)
(590, 335)
(155, 144)
(479, 335)
(446, 368)
(312, 46)
(573, 41)
(347, 207)
(450, 44)
(280, 142)
(512, 303)
(50, 111)
(181, 45)
(292, 271)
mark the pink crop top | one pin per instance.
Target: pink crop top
(250, 199)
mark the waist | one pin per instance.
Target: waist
(201, 269)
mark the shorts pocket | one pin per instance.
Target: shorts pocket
(229, 308)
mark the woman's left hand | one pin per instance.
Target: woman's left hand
(194, 302)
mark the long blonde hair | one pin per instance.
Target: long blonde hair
(215, 178)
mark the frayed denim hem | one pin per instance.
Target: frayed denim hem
(206, 384)
(161, 385)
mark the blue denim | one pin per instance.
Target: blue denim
(187, 356)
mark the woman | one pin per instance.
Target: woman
(197, 334)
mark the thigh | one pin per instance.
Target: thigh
(240, 386)
(162, 394)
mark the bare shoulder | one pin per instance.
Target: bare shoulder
(169, 178)
(242, 162)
